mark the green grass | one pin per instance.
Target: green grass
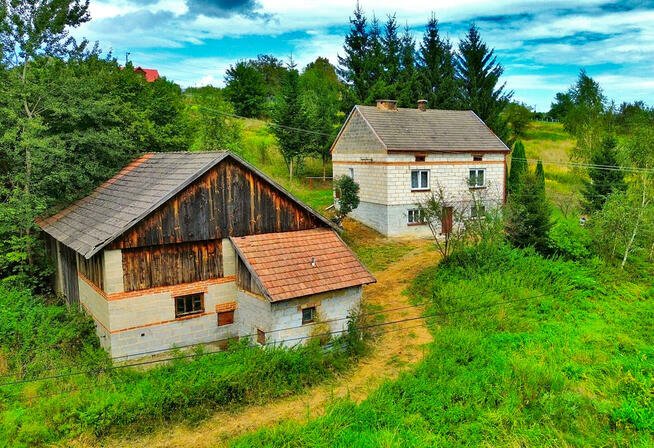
(37, 336)
(571, 368)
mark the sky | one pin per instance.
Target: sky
(541, 44)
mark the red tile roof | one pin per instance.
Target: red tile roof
(150, 73)
(282, 262)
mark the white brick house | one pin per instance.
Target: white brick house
(399, 156)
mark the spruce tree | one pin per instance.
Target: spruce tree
(353, 66)
(528, 215)
(436, 64)
(518, 167)
(392, 48)
(375, 61)
(478, 74)
(288, 113)
(602, 182)
(410, 88)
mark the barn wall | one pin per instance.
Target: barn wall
(244, 279)
(68, 266)
(92, 268)
(229, 200)
(172, 264)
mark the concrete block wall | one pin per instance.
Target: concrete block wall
(113, 271)
(358, 134)
(335, 306)
(254, 313)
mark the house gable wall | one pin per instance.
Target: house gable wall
(358, 137)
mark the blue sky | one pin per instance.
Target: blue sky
(542, 45)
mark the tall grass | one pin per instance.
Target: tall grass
(569, 368)
(104, 401)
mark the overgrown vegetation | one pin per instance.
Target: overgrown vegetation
(40, 339)
(559, 354)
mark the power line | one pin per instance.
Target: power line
(299, 338)
(589, 165)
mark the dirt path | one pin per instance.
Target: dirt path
(394, 352)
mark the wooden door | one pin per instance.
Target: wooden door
(446, 221)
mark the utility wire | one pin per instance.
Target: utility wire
(299, 338)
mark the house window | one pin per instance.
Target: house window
(351, 173)
(477, 178)
(477, 158)
(477, 211)
(415, 216)
(308, 315)
(189, 304)
(419, 179)
(420, 158)
(261, 337)
(225, 318)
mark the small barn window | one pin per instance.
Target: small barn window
(225, 318)
(419, 179)
(261, 337)
(308, 315)
(189, 304)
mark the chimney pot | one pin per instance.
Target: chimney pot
(387, 104)
(422, 105)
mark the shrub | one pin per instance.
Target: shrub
(570, 240)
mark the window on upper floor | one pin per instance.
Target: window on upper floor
(477, 178)
(419, 180)
(477, 157)
(189, 304)
(351, 173)
(420, 158)
(308, 315)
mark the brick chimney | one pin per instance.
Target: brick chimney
(422, 105)
(387, 104)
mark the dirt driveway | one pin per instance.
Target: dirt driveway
(393, 352)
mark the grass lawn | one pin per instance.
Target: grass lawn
(572, 367)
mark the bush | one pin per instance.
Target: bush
(569, 239)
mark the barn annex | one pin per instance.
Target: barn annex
(195, 247)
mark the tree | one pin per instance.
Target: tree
(478, 74)
(352, 67)
(272, 70)
(518, 117)
(585, 116)
(540, 176)
(603, 181)
(436, 65)
(518, 167)
(321, 94)
(375, 60)
(410, 88)
(246, 89)
(392, 50)
(289, 116)
(31, 29)
(561, 106)
(528, 215)
(348, 196)
(213, 127)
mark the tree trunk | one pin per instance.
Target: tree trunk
(290, 171)
(643, 204)
(324, 170)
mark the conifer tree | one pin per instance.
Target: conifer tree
(518, 167)
(436, 63)
(409, 85)
(288, 113)
(392, 49)
(353, 67)
(375, 61)
(478, 74)
(603, 182)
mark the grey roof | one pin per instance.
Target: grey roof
(93, 222)
(431, 130)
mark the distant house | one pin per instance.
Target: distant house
(194, 247)
(399, 156)
(150, 74)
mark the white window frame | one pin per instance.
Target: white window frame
(477, 170)
(477, 207)
(351, 173)
(414, 212)
(420, 188)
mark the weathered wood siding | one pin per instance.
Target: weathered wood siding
(69, 273)
(171, 264)
(244, 279)
(92, 268)
(229, 200)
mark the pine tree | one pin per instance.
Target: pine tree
(436, 63)
(409, 85)
(375, 60)
(478, 74)
(603, 182)
(288, 113)
(353, 67)
(518, 167)
(392, 49)
(528, 215)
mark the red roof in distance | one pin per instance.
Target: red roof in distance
(151, 74)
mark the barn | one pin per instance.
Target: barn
(196, 247)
